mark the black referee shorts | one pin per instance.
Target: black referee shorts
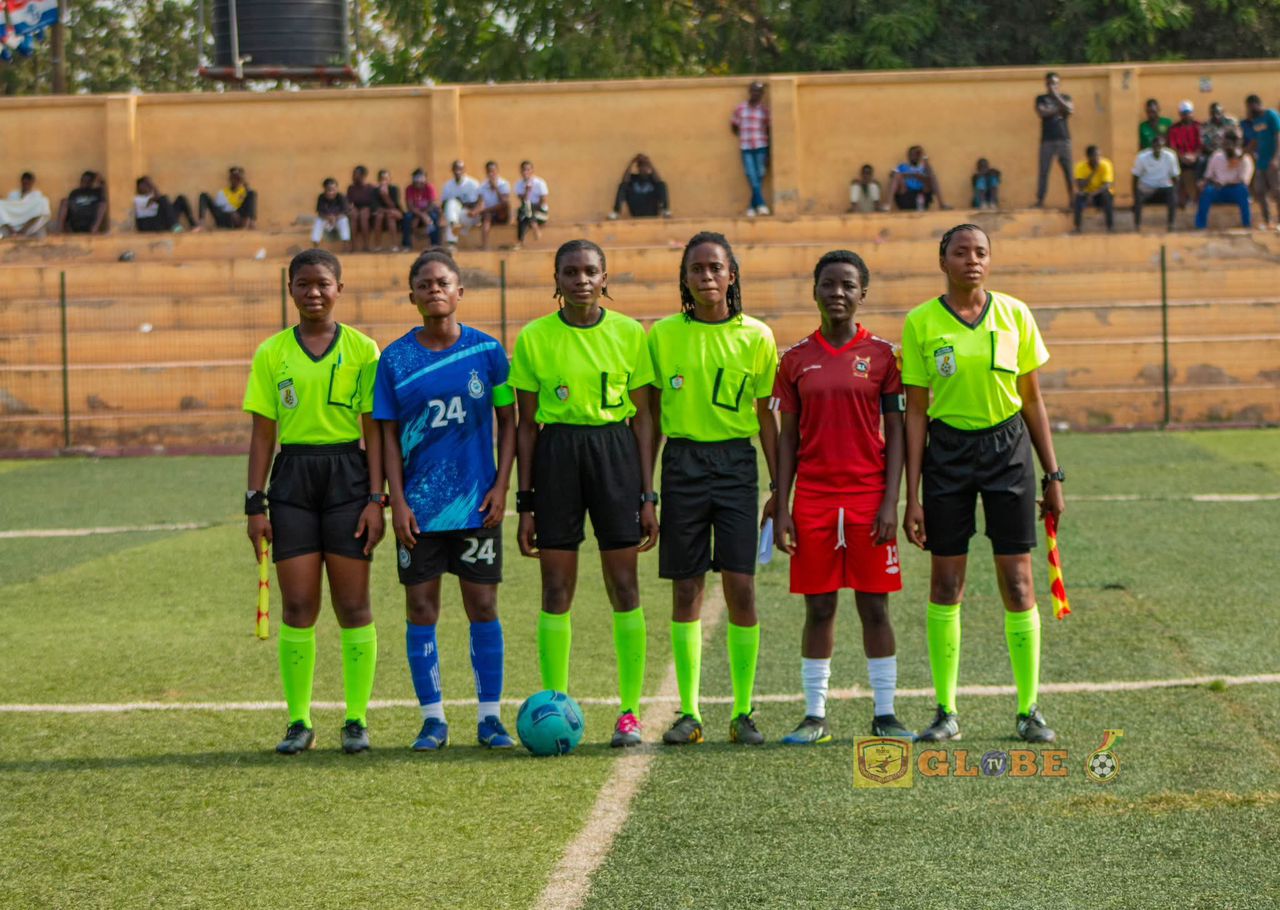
(316, 496)
(996, 463)
(708, 488)
(579, 470)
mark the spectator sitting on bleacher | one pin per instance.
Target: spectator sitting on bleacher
(1211, 132)
(25, 211)
(1184, 139)
(986, 186)
(494, 205)
(1261, 135)
(1155, 175)
(420, 210)
(389, 213)
(458, 197)
(1153, 126)
(532, 193)
(1094, 178)
(913, 185)
(362, 200)
(84, 211)
(332, 215)
(235, 206)
(864, 193)
(1226, 180)
(152, 210)
(642, 190)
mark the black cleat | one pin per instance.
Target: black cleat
(355, 737)
(742, 729)
(298, 738)
(945, 727)
(686, 731)
(1033, 729)
(889, 725)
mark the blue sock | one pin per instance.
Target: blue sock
(486, 660)
(424, 663)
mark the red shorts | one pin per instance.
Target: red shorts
(835, 549)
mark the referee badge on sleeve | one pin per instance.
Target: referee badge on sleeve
(945, 360)
(288, 396)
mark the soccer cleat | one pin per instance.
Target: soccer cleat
(492, 734)
(811, 731)
(434, 736)
(298, 738)
(626, 732)
(355, 737)
(1033, 729)
(945, 726)
(889, 725)
(686, 731)
(742, 729)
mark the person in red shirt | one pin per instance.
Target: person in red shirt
(421, 209)
(832, 390)
(1184, 139)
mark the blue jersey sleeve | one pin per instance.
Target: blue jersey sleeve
(385, 405)
(499, 367)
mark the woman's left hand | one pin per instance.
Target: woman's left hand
(885, 529)
(767, 512)
(1053, 503)
(648, 527)
(374, 522)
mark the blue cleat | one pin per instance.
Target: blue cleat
(491, 733)
(433, 737)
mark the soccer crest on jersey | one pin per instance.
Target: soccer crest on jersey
(443, 402)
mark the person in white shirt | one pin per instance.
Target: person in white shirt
(26, 211)
(494, 206)
(1155, 174)
(531, 190)
(153, 211)
(458, 197)
(864, 193)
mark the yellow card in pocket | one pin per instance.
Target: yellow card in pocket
(1004, 351)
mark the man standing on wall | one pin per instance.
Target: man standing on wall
(750, 124)
(1053, 108)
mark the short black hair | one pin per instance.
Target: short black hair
(946, 238)
(382, 171)
(315, 257)
(141, 180)
(524, 164)
(489, 164)
(734, 297)
(847, 257)
(92, 175)
(361, 170)
(418, 171)
(577, 246)
(1151, 101)
(27, 175)
(1090, 150)
(1253, 99)
(329, 180)
(429, 256)
(1051, 75)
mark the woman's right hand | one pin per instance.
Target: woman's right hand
(526, 537)
(913, 524)
(404, 523)
(784, 531)
(259, 529)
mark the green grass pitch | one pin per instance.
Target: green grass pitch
(190, 808)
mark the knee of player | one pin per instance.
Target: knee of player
(946, 588)
(421, 610)
(821, 609)
(556, 598)
(1020, 589)
(873, 609)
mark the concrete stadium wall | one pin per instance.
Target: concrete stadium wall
(581, 134)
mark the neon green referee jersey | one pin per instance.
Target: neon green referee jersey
(314, 400)
(973, 369)
(583, 374)
(711, 374)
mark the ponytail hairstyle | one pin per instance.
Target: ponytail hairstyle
(946, 238)
(576, 246)
(734, 297)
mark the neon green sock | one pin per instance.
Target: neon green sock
(298, 670)
(744, 650)
(1022, 632)
(686, 648)
(942, 629)
(555, 635)
(359, 660)
(629, 646)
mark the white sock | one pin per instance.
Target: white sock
(430, 711)
(814, 673)
(883, 673)
(488, 709)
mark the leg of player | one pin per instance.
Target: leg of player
(942, 630)
(882, 662)
(744, 652)
(629, 638)
(487, 656)
(1022, 633)
(422, 613)
(299, 581)
(349, 590)
(686, 652)
(555, 635)
(817, 644)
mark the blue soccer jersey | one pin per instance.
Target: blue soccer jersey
(443, 401)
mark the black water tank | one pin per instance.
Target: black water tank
(282, 32)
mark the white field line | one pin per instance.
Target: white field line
(88, 532)
(1189, 497)
(664, 696)
(571, 878)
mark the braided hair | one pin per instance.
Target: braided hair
(315, 257)
(577, 246)
(429, 256)
(734, 296)
(946, 238)
(847, 257)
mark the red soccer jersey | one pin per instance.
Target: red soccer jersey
(840, 395)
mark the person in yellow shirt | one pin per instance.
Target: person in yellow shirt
(1094, 178)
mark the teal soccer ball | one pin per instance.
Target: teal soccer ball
(550, 723)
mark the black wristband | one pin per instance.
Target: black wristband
(255, 503)
(524, 500)
(379, 499)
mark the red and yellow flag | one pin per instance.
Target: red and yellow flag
(1056, 586)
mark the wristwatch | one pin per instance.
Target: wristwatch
(255, 502)
(379, 499)
(1058, 475)
(649, 497)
